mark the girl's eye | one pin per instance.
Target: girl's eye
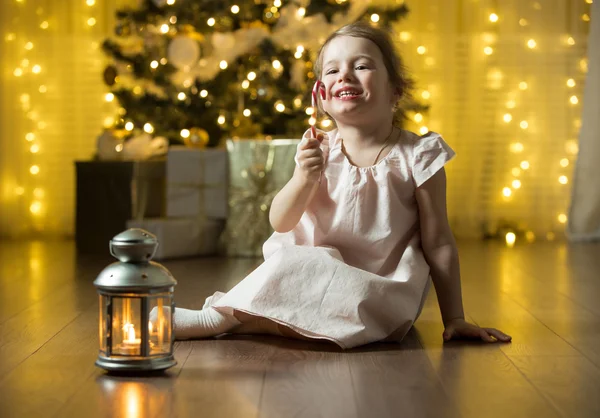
(361, 67)
(330, 71)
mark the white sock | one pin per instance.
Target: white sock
(202, 324)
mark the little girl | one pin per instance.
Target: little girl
(360, 227)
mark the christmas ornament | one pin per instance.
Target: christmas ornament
(110, 75)
(183, 52)
(198, 138)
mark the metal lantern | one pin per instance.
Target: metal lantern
(136, 307)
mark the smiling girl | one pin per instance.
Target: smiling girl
(361, 229)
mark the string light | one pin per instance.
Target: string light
(129, 126)
(523, 22)
(203, 93)
(30, 136)
(34, 169)
(35, 207)
(493, 17)
(170, 2)
(570, 82)
(309, 111)
(405, 36)
(44, 25)
(421, 50)
(418, 117)
(36, 69)
(516, 184)
(109, 97)
(426, 95)
(507, 192)
(510, 238)
(185, 133)
(148, 128)
(251, 75)
(374, 18)
(277, 64)
(516, 171)
(562, 218)
(531, 43)
(29, 46)
(524, 124)
(245, 84)
(523, 85)
(181, 96)
(301, 12)
(574, 100)
(488, 50)
(517, 147)
(279, 106)
(571, 41)
(91, 21)
(247, 112)
(18, 72)
(164, 28)
(525, 165)
(507, 117)
(34, 148)
(423, 130)
(211, 22)
(223, 65)
(563, 180)
(221, 120)
(564, 162)
(154, 64)
(90, 2)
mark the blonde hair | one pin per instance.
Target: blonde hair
(394, 65)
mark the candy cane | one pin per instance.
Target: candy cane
(319, 88)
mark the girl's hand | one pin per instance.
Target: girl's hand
(457, 329)
(310, 158)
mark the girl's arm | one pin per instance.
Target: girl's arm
(441, 254)
(291, 201)
(439, 246)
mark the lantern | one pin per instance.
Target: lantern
(136, 307)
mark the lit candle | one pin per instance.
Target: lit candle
(130, 344)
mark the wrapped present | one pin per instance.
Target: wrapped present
(197, 182)
(258, 169)
(109, 193)
(182, 237)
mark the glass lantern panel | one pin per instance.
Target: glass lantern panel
(103, 323)
(159, 326)
(126, 326)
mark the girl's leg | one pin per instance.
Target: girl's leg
(199, 324)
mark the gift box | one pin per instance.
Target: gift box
(182, 237)
(197, 184)
(109, 193)
(258, 170)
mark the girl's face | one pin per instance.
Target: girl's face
(356, 81)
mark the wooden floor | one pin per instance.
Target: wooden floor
(546, 295)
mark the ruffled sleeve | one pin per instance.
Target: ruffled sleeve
(430, 154)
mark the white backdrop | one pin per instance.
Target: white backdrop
(584, 219)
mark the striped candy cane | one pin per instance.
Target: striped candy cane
(319, 88)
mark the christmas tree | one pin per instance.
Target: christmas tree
(205, 70)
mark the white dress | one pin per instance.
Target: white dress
(352, 271)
